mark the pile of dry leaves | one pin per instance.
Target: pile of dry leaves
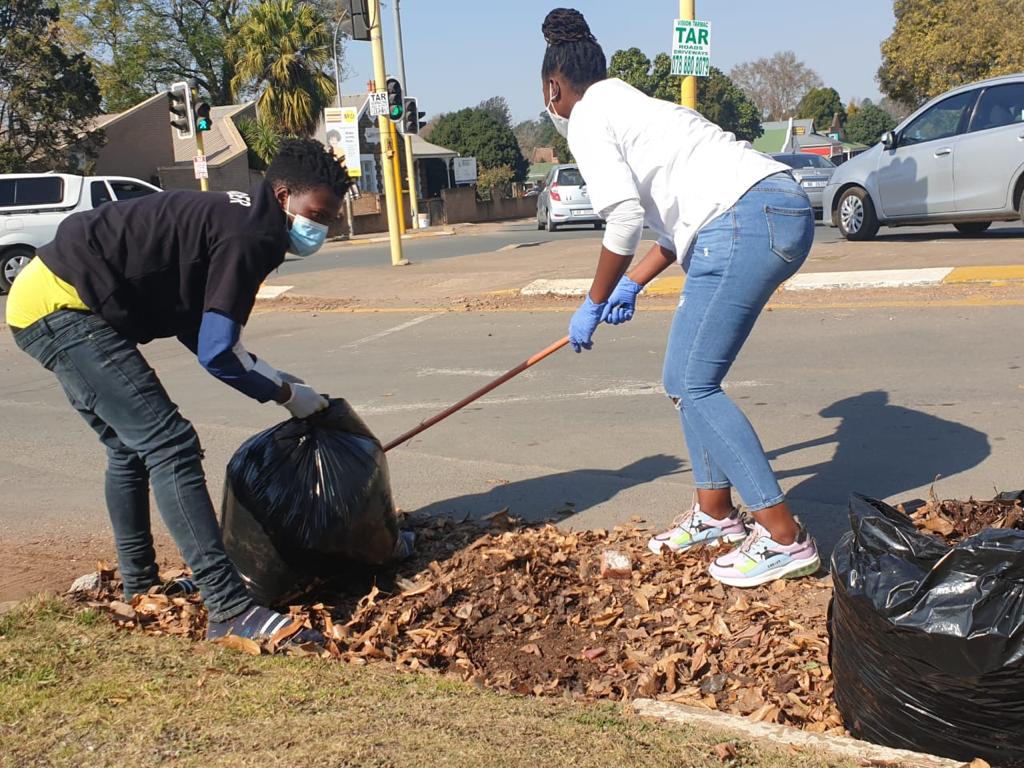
(529, 610)
(955, 520)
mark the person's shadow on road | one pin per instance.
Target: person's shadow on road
(558, 495)
(881, 450)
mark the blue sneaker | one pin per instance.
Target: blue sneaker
(695, 528)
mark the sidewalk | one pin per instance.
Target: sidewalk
(563, 268)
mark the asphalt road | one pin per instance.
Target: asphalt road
(526, 233)
(880, 401)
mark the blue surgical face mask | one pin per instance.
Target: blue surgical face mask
(306, 236)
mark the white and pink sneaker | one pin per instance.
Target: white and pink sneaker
(760, 559)
(696, 528)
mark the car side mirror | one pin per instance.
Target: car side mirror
(889, 140)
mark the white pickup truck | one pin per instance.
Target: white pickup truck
(33, 204)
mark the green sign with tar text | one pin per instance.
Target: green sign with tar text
(691, 48)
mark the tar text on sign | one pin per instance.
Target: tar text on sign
(379, 104)
(691, 48)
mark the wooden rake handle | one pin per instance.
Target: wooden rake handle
(528, 363)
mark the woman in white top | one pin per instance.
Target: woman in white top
(740, 226)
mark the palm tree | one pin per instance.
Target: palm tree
(283, 48)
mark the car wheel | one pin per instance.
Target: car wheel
(12, 262)
(552, 227)
(972, 227)
(857, 219)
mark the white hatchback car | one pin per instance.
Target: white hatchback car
(959, 159)
(32, 205)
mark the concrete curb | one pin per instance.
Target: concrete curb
(772, 734)
(811, 281)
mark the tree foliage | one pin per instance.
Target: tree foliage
(282, 50)
(47, 96)
(940, 44)
(776, 84)
(821, 105)
(497, 107)
(474, 132)
(541, 133)
(868, 124)
(718, 98)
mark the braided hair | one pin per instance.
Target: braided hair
(301, 164)
(573, 52)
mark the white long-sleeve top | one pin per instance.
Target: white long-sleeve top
(682, 169)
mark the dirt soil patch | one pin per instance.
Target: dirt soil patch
(527, 610)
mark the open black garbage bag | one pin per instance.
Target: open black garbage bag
(306, 499)
(927, 644)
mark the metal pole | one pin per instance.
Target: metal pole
(337, 93)
(410, 161)
(386, 146)
(688, 88)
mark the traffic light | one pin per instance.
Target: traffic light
(203, 120)
(412, 120)
(396, 107)
(179, 104)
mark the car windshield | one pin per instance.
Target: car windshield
(570, 177)
(803, 160)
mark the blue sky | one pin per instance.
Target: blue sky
(459, 52)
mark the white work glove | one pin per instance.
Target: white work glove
(305, 401)
(289, 378)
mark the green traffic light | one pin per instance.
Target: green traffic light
(203, 124)
(396, 112)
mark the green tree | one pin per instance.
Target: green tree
(718, 98)
(262, 140)
(868, 124)
(283, 48)
(474, 132)
(497, 107)
(940, 44)
(821, 105)
(47, 96)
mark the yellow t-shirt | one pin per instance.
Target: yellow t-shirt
(36, 293)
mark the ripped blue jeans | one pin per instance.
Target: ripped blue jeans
(738, 260)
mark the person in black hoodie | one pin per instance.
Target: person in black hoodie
(176, 264)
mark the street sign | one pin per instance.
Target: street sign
(379, 104)
(200, 167)
(464, 170)
(342, 127)
(691, 48)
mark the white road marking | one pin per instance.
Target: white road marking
(634, 389)
(483, 373)
(271, 292)
(387, 332)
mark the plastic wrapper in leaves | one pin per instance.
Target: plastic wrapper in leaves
(927, 640)
(304, 501)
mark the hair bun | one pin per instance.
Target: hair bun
(566, 25)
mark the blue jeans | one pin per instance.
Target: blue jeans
(111, 385)
(738, 260)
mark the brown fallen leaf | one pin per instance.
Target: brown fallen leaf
(531, 648)
(243, 644)
(725, 751)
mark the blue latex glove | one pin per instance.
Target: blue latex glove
(622, 302)
(584, 322)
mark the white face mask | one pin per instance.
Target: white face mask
(561, 123)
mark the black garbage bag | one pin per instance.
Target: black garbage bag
(304, 501)
(927, 640)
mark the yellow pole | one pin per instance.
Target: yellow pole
(387, 148)
(396, 165)
(688, 89)
(410, 163)
(204, 184)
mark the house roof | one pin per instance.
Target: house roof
(104, 121)
(424, 150)
(538, 171)
(223, 141)
(772, 138)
